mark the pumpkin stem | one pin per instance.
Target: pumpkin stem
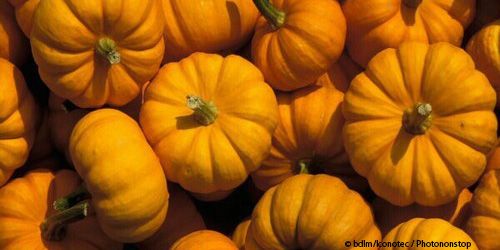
(304, 165)
(107, 47)
(418, 119)
(412, 3)
(54, 227)
(204, 112)
(273, 15)
(72, 199)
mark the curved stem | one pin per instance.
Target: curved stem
(271, 13)
(412, 3)
(204, 112)
(418, 119)
(72, 199)
(107, 48)
(304, 167)
(54, 227)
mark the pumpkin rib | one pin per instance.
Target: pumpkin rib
(445, 161)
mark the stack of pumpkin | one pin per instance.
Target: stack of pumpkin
(146, 110)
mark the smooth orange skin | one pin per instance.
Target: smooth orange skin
(437, 230)
(310, 212)
(212, 26)
(484, 48)
(25, 11)
(182, 219)
(304, 48)
(494, 158)
(240, 234)
(26, 202)
(13, 45)
(122, 173)
(389, 216)
(429, 169)
(210, 160)
(484, 223)
(206, 240)
(375, 25)
(19, 119)
(64, 38)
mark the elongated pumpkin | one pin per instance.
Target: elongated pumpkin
(19, 118)
(419, 123)
(13, 45)
(376, 25)
(240, 234)
(121, 174)
(296, 41)
(206, 240)
(26, 211)
(310, 212)
(214, 26)
(25, 11)
(210, 120)
(97, 52)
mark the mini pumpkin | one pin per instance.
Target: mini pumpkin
(240, 234)
(419, 123)
(494, 158)
(97, 52)
(340, 74)
(25, 11)
(206, 240)
(210, 120)
(13, 45)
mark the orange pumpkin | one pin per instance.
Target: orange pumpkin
(19, 117)
(494, 158)
(297, 41)
(419, 123)
(206, 240)
(26, 210)
(97, 52)
(376, 25)
(25, 11)
(340, 74)
(310, 212)
(484, 223)
(214, 26)
(240, 234)
(13, 45)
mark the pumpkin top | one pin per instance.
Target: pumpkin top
(204, 239)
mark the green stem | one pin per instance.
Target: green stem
(418, 119)
(273, 15)
(304, 166)
(107, 48)
(412, 3)
(72, 199)
(204, 112)
(54, 227)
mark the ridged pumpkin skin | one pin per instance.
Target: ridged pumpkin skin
(389, 216)
(310, 212)
(210, 160)
(13, 45)
(375, 25)
(484, 224)
(182, 219)
(122, 173)
(304, 48)
(213, 26)
(427, 158)
(206, 240)
(67, 46)
(240, 234)
(26, 202)
(484, 48)
(494, 158)
(19, 118)
(436, 230)
(340, 74)
(25, 11)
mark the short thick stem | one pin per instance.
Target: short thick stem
(54, 227)
(107, 48)
(412, 3)
(204, 112)
(304, 166)
(418, 119)
(273, 15)
(70, 200)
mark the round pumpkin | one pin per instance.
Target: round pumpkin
(210, 120)
(25, 11)
(434, 232)
(340, 74)
(494, 158)
(310, 212)
(376, 25)
(212, 27)
(26, 204)
(297, 41)
(484, 223)
(13, 45)
(97, 52)
(206, 240)
(484, 48)
(19, 119)
(240, 234)
(121, 173)
(419, 123)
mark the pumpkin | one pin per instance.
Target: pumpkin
(484, 223)
(377, 25)
(340, 74)
(214, 26)
(310, 212)
(419, 123)
(429, 233)
(484, 48)
(119, 168)
(296, 41)
(19, 119)
(206, 240)
(389, 216)
(13, 45)
(494, 158)
(210, 120)
(42, 146)
(240, 234)
(98, 52)
(182, 219)
(26, 210)
(25, 11)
